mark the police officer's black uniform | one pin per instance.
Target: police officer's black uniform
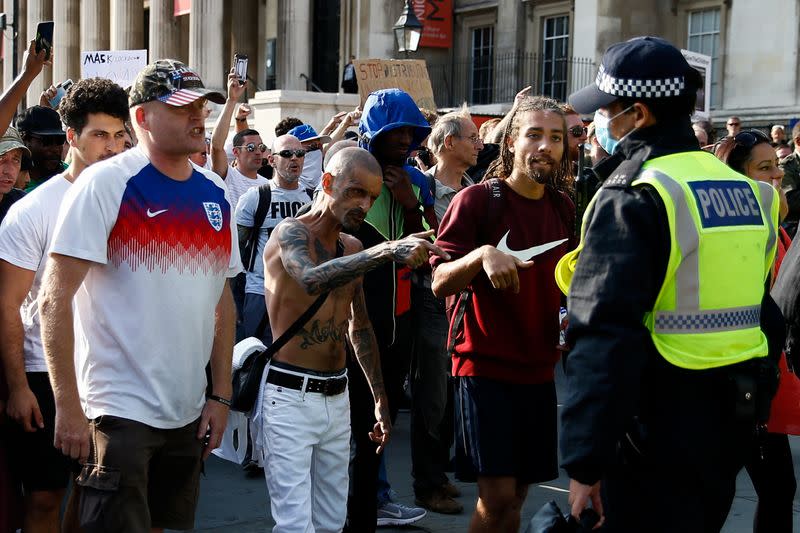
(667, 442)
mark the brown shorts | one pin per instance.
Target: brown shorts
(139, 477)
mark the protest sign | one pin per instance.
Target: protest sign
(410, 75)
(119, 66)
(702, 64)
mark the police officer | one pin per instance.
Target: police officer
(665, 304)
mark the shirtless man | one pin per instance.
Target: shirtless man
(305, 434)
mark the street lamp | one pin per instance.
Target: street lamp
(407, 30)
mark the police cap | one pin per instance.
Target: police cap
(643, 67)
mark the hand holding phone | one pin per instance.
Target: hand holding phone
(44, 38)
(61, 90)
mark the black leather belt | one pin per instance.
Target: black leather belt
(328, 387)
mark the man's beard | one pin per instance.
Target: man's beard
(540, 176)
(353, 220)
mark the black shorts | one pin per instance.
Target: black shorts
(506, 430)
(36, 462)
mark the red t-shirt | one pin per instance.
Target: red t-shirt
(506, 336)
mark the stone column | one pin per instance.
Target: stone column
(95, 25)
(206, 42)
(164, 31)
(294, 48)
(244, 37)
(38, 11)
(127, 24)
(67, 45)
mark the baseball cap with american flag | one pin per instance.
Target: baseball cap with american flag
(171, 82)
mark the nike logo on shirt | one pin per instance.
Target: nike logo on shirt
(152, 214)
(528, 253)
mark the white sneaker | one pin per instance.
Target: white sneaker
(397, 514)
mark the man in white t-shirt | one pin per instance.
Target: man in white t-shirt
(249, 150)
(286, 198)
(145, 245)
(94, 112)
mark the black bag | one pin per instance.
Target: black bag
(549, 519)
(247, 378)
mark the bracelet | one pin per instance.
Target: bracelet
(219, 399)
(240, 119)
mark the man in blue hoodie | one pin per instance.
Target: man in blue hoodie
(391, 127)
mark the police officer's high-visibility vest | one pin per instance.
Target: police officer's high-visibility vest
(723, 241)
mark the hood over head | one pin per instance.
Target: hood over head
(386, 110)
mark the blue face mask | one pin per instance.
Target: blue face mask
(603, 134)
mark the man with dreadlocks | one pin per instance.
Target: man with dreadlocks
(505, 325)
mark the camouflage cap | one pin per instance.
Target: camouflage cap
(11, 141)
(171, 82)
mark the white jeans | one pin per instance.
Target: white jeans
(306, 455)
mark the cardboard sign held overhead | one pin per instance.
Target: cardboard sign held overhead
(410, 75)
(119, 66)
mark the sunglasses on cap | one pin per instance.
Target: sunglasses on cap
(578, 131)
(289, 153)
(251, 147)
(750, 138)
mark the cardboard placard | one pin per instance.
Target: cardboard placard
(119, 66)
(410, 75)
(702, 64)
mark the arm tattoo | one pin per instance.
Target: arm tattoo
(320, 332)
(293, 238)
(364, 343)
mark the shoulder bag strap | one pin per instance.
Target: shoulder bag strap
(264, 200)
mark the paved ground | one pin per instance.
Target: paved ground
(230, 502)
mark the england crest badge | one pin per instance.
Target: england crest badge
(214, 214)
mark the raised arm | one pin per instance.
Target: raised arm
(294, 240)
(365, 347)
(219, 160)
(499, 131)
(10, 99)
(62, 278)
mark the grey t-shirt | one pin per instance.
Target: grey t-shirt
(283, 203)
(444, 194)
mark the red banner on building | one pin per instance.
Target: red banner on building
(182, 7)
(436, 17)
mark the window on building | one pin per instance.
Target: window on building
(555, 50)
(482, 65)
(704, 39)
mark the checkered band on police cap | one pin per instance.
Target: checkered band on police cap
(632, 88)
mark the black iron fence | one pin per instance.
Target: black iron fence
(497, 78)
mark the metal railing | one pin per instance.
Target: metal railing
(497, 78)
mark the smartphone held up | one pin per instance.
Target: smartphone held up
(240, 67)
(44, 38)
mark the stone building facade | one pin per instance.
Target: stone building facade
(493, 47)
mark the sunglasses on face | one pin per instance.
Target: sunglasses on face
(289, 153)
(578, 131)
(50, 140)
(734, 123)
(251, 147)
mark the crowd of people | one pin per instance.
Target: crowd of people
(397, 253)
